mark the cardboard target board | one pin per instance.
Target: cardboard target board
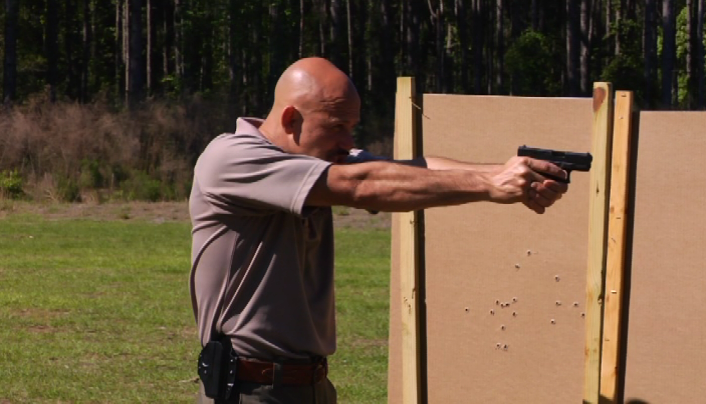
(505, 288)
(665, 355)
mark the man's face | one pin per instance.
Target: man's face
(327, 133)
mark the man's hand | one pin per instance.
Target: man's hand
(520, 180)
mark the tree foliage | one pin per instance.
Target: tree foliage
(228, 54)
(235, 49)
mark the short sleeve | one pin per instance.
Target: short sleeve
(246, 174)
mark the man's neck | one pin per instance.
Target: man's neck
(273, 135)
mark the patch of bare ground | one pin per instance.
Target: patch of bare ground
(368, 343)
(164, 212)
(42, 317)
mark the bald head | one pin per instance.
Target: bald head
(314, 103)
(313, 83)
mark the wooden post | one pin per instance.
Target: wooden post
(617, 227)
(405, 149)
(597, 233)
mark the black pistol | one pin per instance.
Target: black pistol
(567, 161)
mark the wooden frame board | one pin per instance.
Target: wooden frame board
(408, 255)
(616, 245)
(597, 232)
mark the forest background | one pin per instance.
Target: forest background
(114, 100)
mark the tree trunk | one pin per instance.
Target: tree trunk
(516, 29)
(151, 31)
(71, 39)
(650, 48)
(168, 46)
(337, 48)
(500, 48)
(87, 43)
(701, 54)
(608, 21)
(278, 46)
(573, 48)
(301, 28)
(10, 63)
(233, 62)
(694, 58)
(322, 17)
(463, 42)
(618, 22)
(206, 57)
(585, 61)
(179, 39)
(534, 15)
(119, 48)
(489, 47)
(690, 48)
(52, 46)
(478, 40)
(158, 45)
(256, 79)
(359, 20)
(125, 49)
(350, 38)
(413, 23)
(669, 50)
(136, 65)
(596, 33)
(387, 49)
(437, 17)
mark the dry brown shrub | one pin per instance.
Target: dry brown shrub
(68, 150)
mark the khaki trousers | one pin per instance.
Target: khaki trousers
(254, 393)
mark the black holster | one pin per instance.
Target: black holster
(217, 368)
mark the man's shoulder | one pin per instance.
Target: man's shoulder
(239, 140)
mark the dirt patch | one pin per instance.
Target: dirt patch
(41, 317)
(39, 313)
(41, 329)
(368, 343)
(360, 219)
(157, 211)
(164, 212)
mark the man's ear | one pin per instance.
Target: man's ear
(291, 121)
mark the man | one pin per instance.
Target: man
(262, 273)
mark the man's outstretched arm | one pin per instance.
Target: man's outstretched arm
(388, 186)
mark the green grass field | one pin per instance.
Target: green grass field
(99, 311)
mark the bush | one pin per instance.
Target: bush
(11, 184)
(142, 187)
(68, 190)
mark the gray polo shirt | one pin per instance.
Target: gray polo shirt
(262, 263)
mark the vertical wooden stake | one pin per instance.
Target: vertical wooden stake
(597, 232)
(617, 227)
(405, 149)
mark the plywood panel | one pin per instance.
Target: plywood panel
(666, 362)
(483, 256)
